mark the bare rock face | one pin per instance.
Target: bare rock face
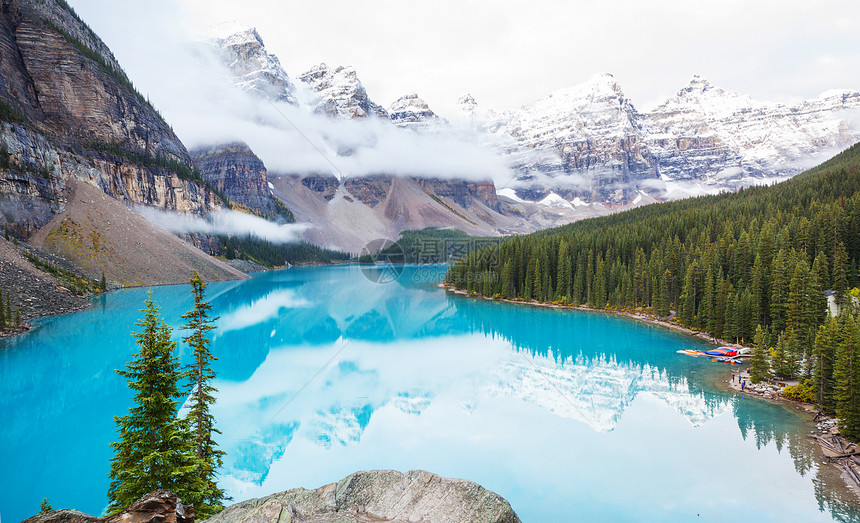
(463, 192)
(369, 190)
(325, 184)
(377, 496)
(161, 506)
(235, 170)
(71, 112)
(411, 111)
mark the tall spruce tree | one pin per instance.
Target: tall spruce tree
(155, 449)
(200, 419)
(847, 376)
(840, 275)
(759, 361)
(780, 360)
(824, 354)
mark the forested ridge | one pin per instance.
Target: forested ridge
(725, 264)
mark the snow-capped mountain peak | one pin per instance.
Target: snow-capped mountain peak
(254, 69)
(712, 137)
(340, 93)
(467, 100)
(410, 110)
(702, 96)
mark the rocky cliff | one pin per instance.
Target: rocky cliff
(69, 111)
(377, 496)
(241, 176)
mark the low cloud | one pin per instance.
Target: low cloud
(224, 222)
(261, 310)
(290, 140)
(186, 80)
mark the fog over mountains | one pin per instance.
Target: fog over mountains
(587, 143)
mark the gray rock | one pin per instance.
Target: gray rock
(376, 496)
(161, 506)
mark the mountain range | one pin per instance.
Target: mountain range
(578, 152)
(69, 115)
(598, 146)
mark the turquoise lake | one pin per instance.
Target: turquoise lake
(569, 415)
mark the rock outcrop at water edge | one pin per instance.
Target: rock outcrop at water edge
(378, 495)
(161, 506)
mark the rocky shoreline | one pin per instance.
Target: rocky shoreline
(361, 497)
(377, 495)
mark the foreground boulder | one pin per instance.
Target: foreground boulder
(377, 496)
(161, 506)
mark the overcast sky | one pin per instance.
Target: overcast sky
(508, 53)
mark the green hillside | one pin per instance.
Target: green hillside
(726, 264)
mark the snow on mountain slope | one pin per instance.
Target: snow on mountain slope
(590, 142)
(554, 200)
(339, 93)
(411, 111)
(711, 134)
(253, 68)
(583, 150)
(585, 138)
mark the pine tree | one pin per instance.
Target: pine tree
(2, 314)
(759, 292)
(840, 275)
(687, 309)
(506, 280)
(847, 377)
(780, 360)
(600, 283)
(103, 283)
(663, 304)
(719, 307)
(528, 290)
(824, 354)
(816, 304)
(201, 420)
(155, 449)
(562, 278)
(45, 506)
(759, 363)
(706, 308)
(779, 290)
(798, 296)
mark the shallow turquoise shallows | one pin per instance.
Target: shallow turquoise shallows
(569, 415)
